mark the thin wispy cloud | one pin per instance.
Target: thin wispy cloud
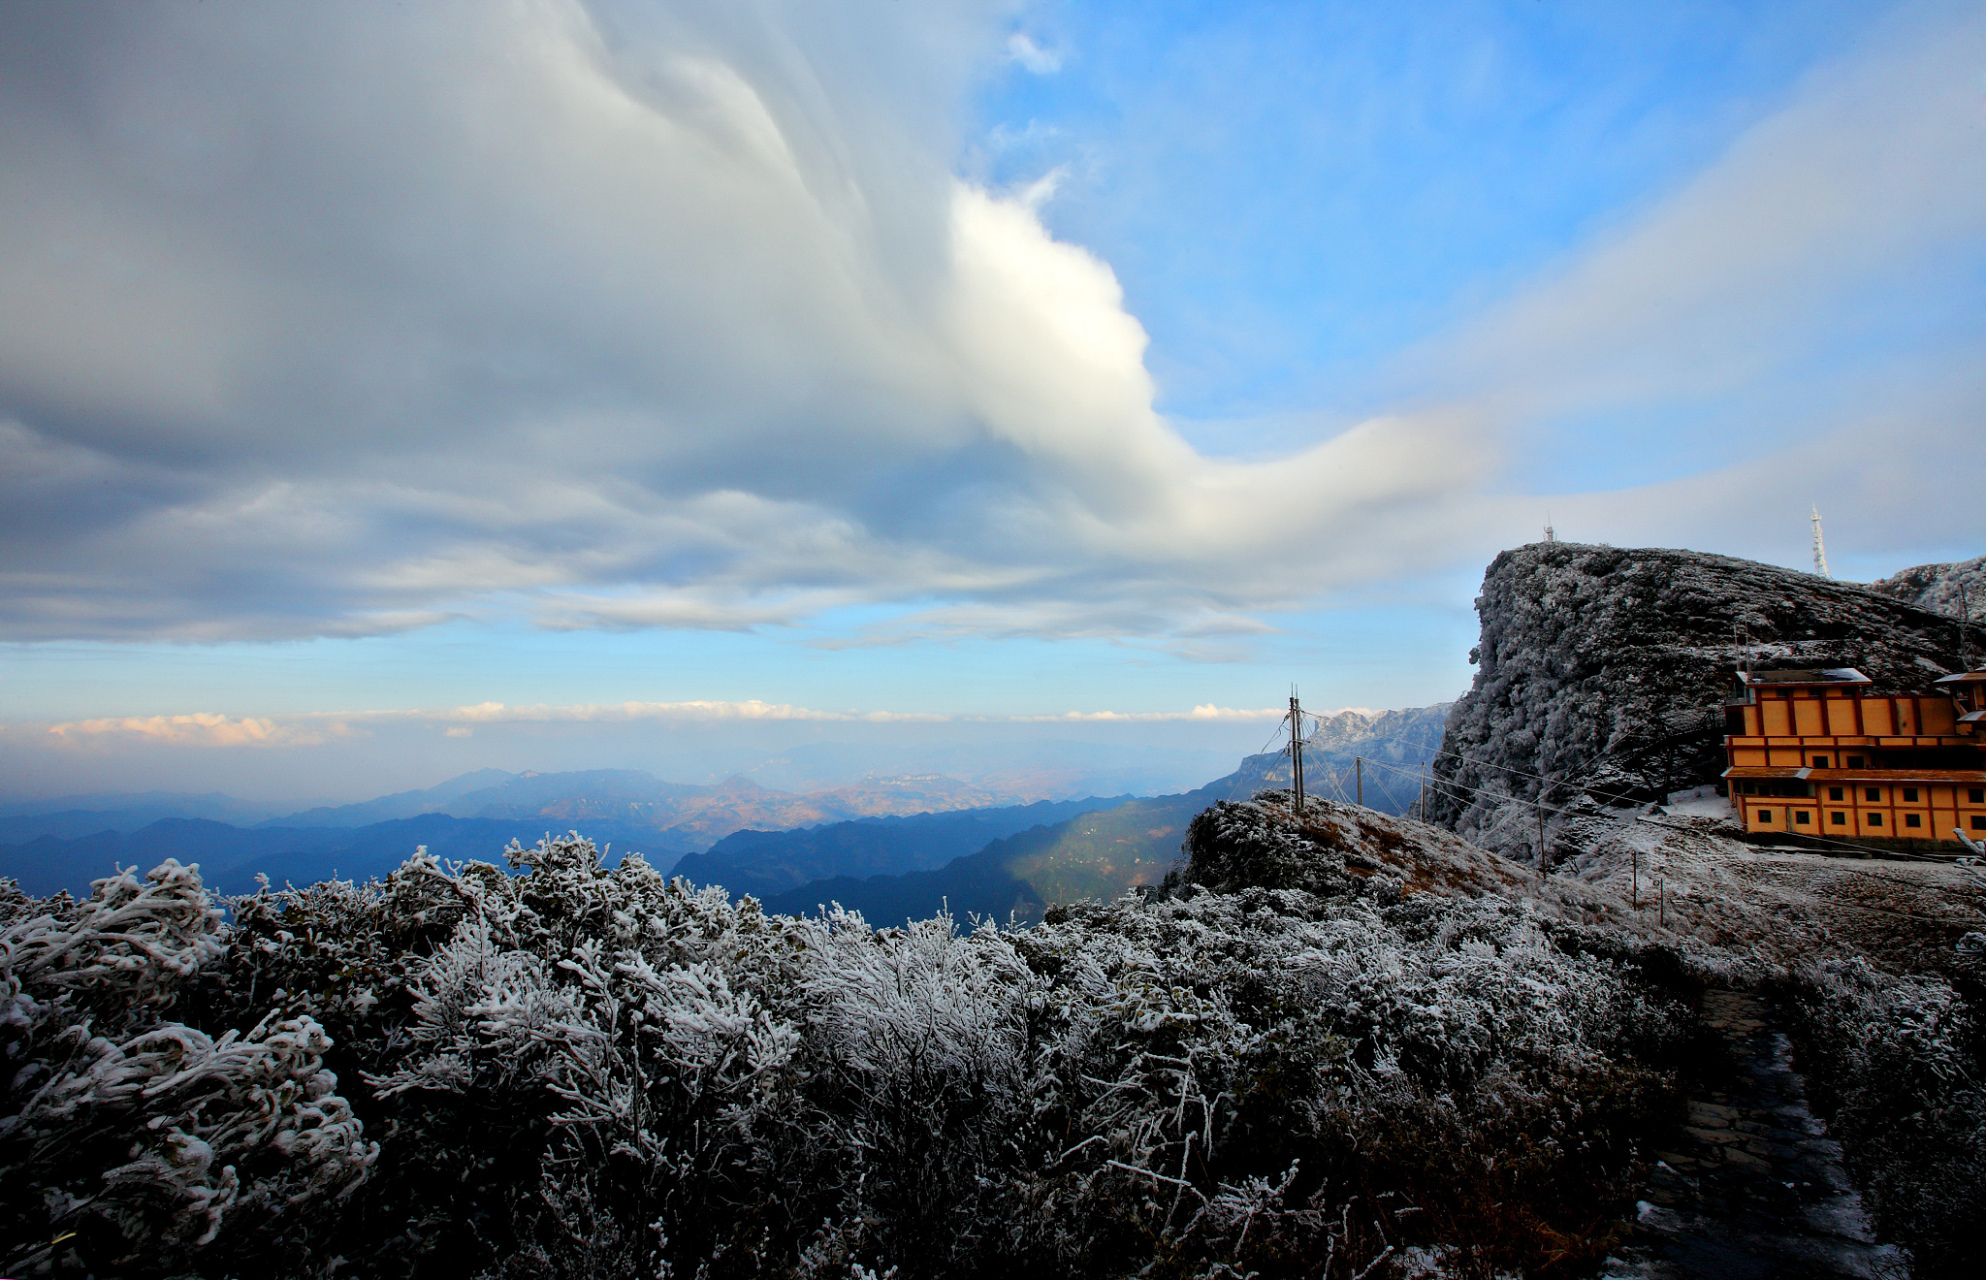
(351, 320)
(313, 729)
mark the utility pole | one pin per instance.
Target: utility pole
(1820, 552)
(1296, 750)
(1634, 859)
(1541, 833)
(1358, 763)
(1423, 791)
(1964, 617)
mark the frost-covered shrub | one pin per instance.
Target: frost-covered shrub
(1899, 1062)
(579, 1070)
(130, 1143)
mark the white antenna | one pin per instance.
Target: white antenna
(1550, 535)
(1820, 551)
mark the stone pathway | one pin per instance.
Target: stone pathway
(1756, 1190)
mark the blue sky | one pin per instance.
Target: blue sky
(958, 364)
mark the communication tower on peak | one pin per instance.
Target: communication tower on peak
(1820, 551)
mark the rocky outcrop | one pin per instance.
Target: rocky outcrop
(1958, 588)
(1601, 672)
(1339, 850)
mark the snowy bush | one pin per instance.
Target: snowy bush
(579, 1070)
(129, 1142)
(1900, 1063)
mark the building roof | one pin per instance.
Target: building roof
(1806, 676)
(1975, 676)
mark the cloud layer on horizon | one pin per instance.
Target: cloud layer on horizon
(213, 729)
(344, 321)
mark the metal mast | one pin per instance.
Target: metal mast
(1820, 552)
(1296, 750)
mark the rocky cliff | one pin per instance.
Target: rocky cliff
(1958, 588)
(1601, 672)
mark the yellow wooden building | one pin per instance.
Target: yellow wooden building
(1814, 753)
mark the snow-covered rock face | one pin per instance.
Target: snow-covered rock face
(1602, 670)
(1941, 587)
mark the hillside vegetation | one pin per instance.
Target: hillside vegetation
(590, 1071)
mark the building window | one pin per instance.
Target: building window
(1834, 793)
(1978, 823)
(1913, 820)
(1872, 794)
(1765, 815)
(1801, 815)
(1875, 819)
(1839, 819)
(1854, 762)
(1910, 795)
(1820, 762)
(1976, 795)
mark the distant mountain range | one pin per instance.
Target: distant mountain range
(765, 863)
(890, 846)
(230, 857)
(69, 841)
(1099, 853)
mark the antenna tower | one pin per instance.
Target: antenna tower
(1551, 535)
(1820, 551)
(1296, 750)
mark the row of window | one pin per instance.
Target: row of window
(1805, 817)
(1974, 795)
(1874, 795)
(1870, 795)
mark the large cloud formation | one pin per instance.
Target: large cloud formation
(340, 320)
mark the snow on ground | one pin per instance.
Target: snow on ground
(1677, 873)
(1681, 865)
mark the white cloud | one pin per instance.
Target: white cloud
(207, 729)
(1022, 49)
(203, 729)
(366, 317)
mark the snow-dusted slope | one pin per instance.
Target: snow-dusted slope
(1938, 586)
(1341, 850)
(1603, 669)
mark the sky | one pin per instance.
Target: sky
(392, 390)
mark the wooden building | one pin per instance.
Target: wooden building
(1815, 754)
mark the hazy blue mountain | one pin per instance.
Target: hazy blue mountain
(771, 862)
(1096, 854)
(673, 815)
(401, 804)
(979, 884)
(71, 816)
(531, 791)
(230, 856)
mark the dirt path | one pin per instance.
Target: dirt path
(1756, 1190)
